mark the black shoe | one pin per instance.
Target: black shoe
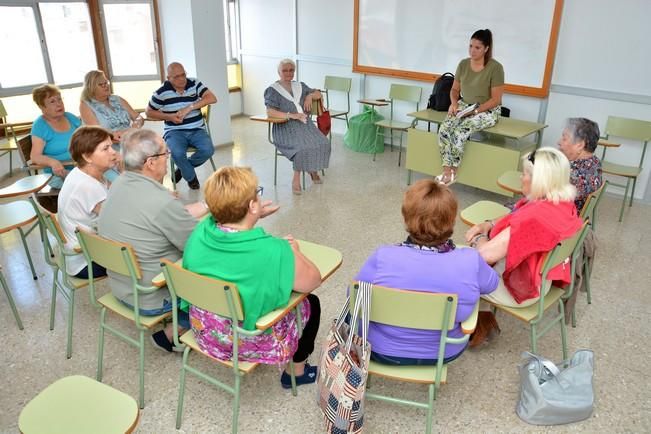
(177, 176)
(160, 341)
(194, 184)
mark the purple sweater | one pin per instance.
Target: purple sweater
(461, 271)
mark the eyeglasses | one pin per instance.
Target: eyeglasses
(104, 84)
(177, 76)
(166, 153)
(532, 157)
(259, 190)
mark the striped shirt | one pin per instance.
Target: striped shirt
(168, 100)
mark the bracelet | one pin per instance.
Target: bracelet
(475, 240)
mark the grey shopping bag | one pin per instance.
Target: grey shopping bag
(553, 396)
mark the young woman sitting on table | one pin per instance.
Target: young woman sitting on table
(517, 242)
(480, 80)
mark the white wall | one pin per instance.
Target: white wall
(602, 66)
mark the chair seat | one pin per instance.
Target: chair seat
(16, 214)
(112, 303)
(394, 125)
(337, 113)
(528, 313)
(412, 374)
(189, 340)
(78, 404)
(8, 145)
(620, 169)
(483, 210)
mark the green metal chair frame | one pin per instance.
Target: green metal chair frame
(10, 141)
(589, 210)
(205, 113)
(337, 84)
(549, 296)
(67, 285)
(119, 258)
(576, 253)
(397, 92)
(10, 298)
(418, 310)
(632, 129)
(222, 298)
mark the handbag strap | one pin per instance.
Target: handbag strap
(544, 363)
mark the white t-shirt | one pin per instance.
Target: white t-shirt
(77, 199)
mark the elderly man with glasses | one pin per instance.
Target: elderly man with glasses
(140, 211)
(178, 102)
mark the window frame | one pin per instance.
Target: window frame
(100, 42)
(232, 49)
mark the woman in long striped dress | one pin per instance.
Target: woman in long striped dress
(298, 139)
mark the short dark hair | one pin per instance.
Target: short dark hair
(584, 129)
(485, 36)
(429, 210)
(85, 140)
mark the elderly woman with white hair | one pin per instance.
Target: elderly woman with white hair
(298, 139)
(517, 242)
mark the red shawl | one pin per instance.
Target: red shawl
(536, 228)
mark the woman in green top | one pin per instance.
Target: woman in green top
(479, 80)
(228, 246)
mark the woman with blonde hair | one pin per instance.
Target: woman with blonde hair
(517, 242)
(266, 269)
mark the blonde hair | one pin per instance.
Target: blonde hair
(550, 175)
(91, 81)
(286, 62)
(228, 192)
(43, 92)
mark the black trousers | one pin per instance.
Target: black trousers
(306, 341)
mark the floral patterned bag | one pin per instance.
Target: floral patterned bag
(343, 367)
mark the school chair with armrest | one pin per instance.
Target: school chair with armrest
(223, 299)
(418, 310)
(574, 263)
(589, 210)
(549, 296)
(337, 84)
(10, 299)
(62, 282)
(397, 92)
(9, 139)
(632, 129)
(205, 114)
(119, 258)
(47, 193)
(482, 211)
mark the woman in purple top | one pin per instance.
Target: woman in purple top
(427, 261)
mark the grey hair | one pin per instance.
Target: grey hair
(137, 146)
(286, 62)
(584, 129)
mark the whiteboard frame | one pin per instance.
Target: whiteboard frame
(538, 92)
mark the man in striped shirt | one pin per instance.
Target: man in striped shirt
(178, 102)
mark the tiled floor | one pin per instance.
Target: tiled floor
(354, 210)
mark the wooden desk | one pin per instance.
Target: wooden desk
(483, 161)
(511, 181)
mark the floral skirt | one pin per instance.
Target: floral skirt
(276, 346)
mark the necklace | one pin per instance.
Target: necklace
(444, 247)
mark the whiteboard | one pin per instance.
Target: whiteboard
(422, 39)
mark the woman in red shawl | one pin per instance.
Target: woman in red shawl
(518, 242)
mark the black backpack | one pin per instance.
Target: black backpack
(440, 98)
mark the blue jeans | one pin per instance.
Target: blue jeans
(184, 318)
(407, 361)
(178, 142)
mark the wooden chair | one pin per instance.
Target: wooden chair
(418, 310)
(337, 84)
(119, 258)
(549, 296)
(397, 92)
(79, 405)
(10, 298)
(632, 129)
(222, 298)
(62, 282)
(205, 113)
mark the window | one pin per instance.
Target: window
(230, 30)
(130, 39)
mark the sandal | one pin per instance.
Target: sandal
(296, 189)
(446, 180)
(487, 328)
(316, 179)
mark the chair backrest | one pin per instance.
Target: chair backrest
(205, 114)
(341, 84)
(25, 150)
(563, 251)
(112, 255)
(3, 119)
(204, 292)
(590, 205)
(628, 128)
(412, 309)
(404, 92)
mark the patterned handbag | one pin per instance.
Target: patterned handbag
(343, 367)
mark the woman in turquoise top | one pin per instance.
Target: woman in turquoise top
(265, 269)
(51, 133)
(99, 107)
